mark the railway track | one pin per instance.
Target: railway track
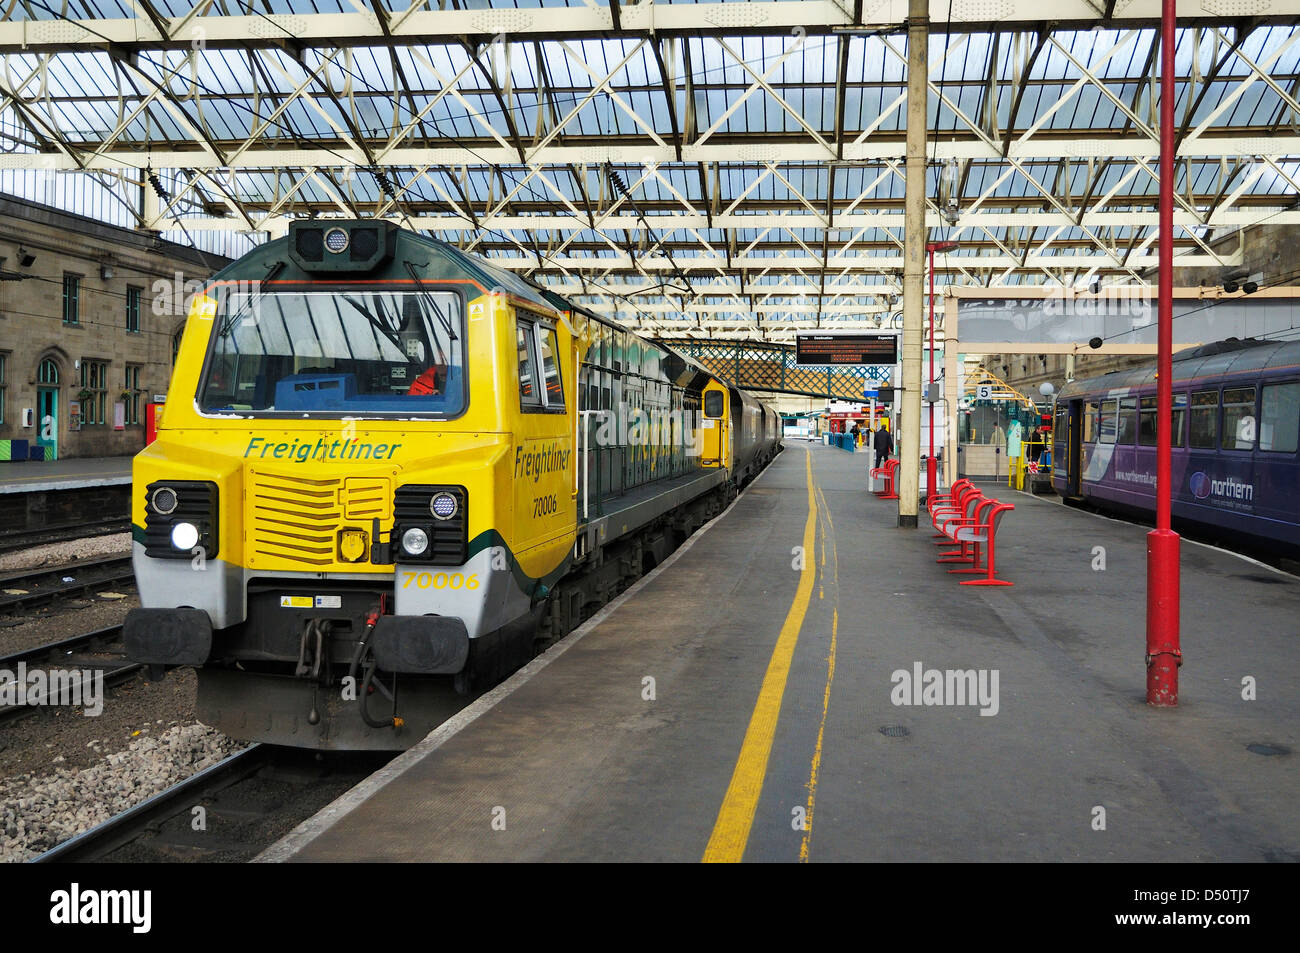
(13, 541)
(248, 801)
(31, 589)
(97, 652)
(123, 828)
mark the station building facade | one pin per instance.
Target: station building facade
(1266, 256)
(90, 315)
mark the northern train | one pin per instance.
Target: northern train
(1235, 432)
(388, 471)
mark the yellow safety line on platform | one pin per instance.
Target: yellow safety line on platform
(814, 772)
(736, 816)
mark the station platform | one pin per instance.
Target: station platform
(71, 474)
(777, 639)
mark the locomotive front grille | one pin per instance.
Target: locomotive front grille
(298, 519)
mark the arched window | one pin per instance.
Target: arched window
(176, 342)
(48, 372)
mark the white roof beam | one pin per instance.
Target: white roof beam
(577, 21)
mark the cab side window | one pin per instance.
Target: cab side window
(549, 348)
(530, 397)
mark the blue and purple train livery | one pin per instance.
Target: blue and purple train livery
(1236, 431)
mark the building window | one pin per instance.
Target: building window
(131, 395)
(4, 360)
(48, 372)
(133, 308)
(94, 392)
(71, 298)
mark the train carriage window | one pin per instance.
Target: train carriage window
(1205, 419)
(1107, 427)
(714, 403)
(1178, 426)
(1090, 421)
(1239, 418)
(1127, 420)
(549, 348)
(1279, 418)
(1147, 418)
(529, 395)
(1148, 415)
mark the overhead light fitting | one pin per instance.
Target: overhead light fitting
(1242, 281)
(25, 258)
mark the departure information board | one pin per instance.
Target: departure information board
(846, 349)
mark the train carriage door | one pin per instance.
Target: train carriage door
(713, 427)
(1073, 456)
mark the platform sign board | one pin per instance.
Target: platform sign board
(840, 349)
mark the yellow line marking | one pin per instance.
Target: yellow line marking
(736, 815)
(805, 846)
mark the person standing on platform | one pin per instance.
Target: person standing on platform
(884, 444)
(857, 435)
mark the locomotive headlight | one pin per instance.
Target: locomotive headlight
(443, 506)
(415, 541)
(164, 501)
(185, 536)
(336, 240)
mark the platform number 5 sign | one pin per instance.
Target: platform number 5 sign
(983, 391)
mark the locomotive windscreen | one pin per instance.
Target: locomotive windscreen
(348, 352)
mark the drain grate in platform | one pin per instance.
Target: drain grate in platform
(894, 731)
(1267, 750)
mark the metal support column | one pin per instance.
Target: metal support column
(918, 72)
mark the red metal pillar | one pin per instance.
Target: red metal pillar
(1164, 653)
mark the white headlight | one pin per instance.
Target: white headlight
(415, 541)
(185, 536)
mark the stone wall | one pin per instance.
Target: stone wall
(108, 261)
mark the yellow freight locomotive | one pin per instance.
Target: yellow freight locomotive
(388, 471)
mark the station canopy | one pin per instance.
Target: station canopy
(712, 169)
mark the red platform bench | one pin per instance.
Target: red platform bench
(887, 472)
(975, 531)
